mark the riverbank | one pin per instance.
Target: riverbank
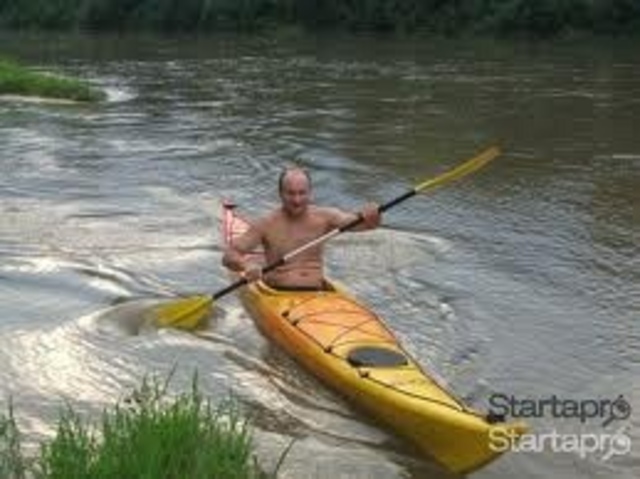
(17, 80)
(509, 17)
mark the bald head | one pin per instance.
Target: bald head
(295, 191)
(295, 175)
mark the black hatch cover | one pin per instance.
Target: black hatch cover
(376, 357)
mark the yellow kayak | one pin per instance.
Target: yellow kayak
(351, 349)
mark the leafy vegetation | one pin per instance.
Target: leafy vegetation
(148, 435)
(17, 80)
(539, 17)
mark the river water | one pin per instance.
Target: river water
(522, 281)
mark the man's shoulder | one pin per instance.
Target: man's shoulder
(331, 217)
(325, 211)
(268, 220)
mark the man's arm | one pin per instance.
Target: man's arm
(235, 254)
(370, 217)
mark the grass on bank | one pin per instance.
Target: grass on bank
(18, 80)
(148, 436)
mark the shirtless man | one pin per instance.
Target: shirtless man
(296, 222)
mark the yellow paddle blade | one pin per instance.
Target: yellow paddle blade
(458, 172)
(186, 313)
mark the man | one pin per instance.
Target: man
(296, 222)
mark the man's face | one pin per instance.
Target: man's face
(295, 194)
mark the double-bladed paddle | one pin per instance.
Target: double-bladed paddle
(188, 313)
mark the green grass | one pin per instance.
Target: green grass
(147, 436)
(18, 80)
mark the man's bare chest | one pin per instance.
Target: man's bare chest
(282, 237)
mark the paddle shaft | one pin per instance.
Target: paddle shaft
(462, 170)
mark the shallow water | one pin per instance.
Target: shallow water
(522, 280)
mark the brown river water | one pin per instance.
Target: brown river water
(522, 282)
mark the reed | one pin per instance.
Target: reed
(12, 462)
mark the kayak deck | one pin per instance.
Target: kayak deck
(352, 350)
